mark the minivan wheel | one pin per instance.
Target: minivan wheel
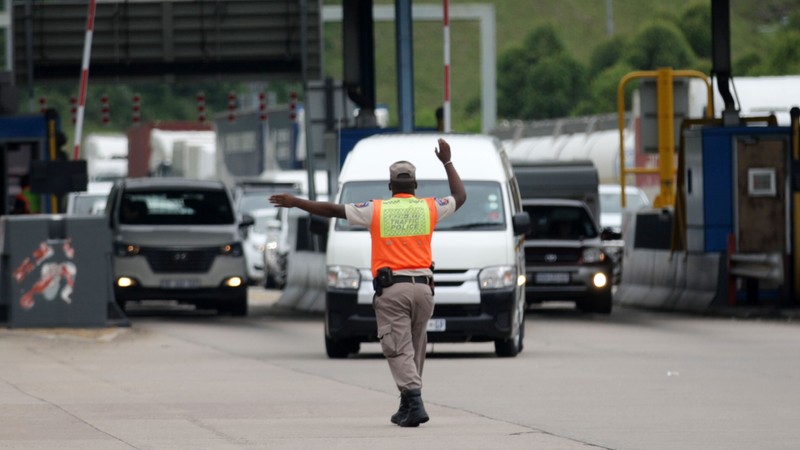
(509, 348)
(237, 307)
(602, 304)
(341, 348)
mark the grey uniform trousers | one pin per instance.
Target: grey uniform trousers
(402, 312)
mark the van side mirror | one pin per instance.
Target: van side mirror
(522, 223)
(319, 225)
(273, 225)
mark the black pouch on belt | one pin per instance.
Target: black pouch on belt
(384, 279)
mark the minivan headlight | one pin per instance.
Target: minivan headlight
(497, 277)
(124, 250)
(343, 277)
(234, 249)
(593, 255)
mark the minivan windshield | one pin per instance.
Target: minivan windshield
(483, 210)
(611, 202)
(175, 207)
(560, 222)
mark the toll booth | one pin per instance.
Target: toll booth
(731, 239)
(30, 147)
(738, 186)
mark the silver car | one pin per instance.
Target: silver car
(178, 239)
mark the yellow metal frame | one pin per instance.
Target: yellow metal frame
(52, 148)
(666, 134)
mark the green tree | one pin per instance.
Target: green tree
(607, 54)
(540, 79)
(748, 64)
(603, 91)
(512, 68)
(660, 44)
(695, 23)
(784, 56)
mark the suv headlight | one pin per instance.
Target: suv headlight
(234, 249)
(593, 255)
(498, 277)
(343, 277)
(124, 250)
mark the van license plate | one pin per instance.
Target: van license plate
(180, 283)
(552, 278)
(437, 325)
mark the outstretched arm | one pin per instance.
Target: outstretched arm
(324, 209)
(456, 185)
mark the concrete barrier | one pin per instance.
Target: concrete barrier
(306, 279)
(660, 279)
(55, 271)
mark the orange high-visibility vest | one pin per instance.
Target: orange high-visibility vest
(401, 233)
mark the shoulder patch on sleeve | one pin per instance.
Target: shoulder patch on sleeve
(361, 204)
(442, 201)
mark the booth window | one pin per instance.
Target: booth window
(761, 182)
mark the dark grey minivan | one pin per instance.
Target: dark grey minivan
(178, 239)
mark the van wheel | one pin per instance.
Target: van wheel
(509, 348)
(341, 348)
(269, 282)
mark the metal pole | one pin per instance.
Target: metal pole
(666, 138)
(29, 51)
(405, 65)
(446, 23)
(312, 188)
(87, 51)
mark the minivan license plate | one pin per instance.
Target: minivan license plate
(552, 278)
(180, 283)
(437, 325)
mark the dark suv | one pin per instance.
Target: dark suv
(564, 256)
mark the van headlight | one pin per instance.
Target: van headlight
(343, 277)
(498, 277)
(593, 255)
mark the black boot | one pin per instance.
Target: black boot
(402, 411)
(416, 410)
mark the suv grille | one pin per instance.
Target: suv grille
(177, 260)
(557, 256)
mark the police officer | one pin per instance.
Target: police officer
(401, 267)
(26, 202)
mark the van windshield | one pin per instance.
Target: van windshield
(175, 207)
(483, 210)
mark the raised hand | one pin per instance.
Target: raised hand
(443, 152)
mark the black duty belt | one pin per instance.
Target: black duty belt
(409, 279)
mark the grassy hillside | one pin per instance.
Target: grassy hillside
(582, 24)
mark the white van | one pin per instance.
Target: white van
(479, 259)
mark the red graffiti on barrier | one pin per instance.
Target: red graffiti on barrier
(52, 273)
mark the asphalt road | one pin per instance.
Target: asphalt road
(179, 378)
